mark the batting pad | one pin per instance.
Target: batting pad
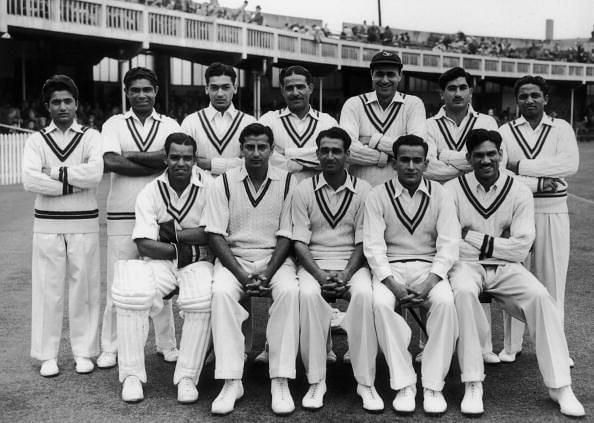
(195, 287)
(194, 344)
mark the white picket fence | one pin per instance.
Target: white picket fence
(11, 158)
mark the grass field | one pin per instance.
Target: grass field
(513, 392)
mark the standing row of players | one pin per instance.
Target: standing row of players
(248, 225)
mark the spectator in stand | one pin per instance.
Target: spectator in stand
(257, 17)
(373, 33)
(387, 36)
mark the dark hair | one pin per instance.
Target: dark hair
(478, 136)
(220, 69)
(412, 140)
(255, 129)
(452, 74)
(295, 70)
(335, 133)
(181, 139)
(58, 83)
(140, 73)
(529, 79)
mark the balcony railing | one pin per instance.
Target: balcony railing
(148, 25)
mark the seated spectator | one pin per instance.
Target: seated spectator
(387, 36)
(257, 17)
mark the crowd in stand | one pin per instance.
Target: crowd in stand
(465, 44)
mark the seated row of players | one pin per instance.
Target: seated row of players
(410, 231)
(133, 145)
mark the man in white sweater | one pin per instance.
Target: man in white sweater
(411, 237)
(248, 221)
(62, 164)
(327, 215)
(133, 153)
(446, 136)
(375, 120)
(496, 213)
(216, 128)
(542, 151)
(296, 126)
(172, 245)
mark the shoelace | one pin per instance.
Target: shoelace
(314, 390)
(473, 388)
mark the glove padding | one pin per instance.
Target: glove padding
(187, 254)
(167, 232)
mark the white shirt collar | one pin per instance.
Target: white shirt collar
(130, 114)
(476, 185)
(311, 112)
(211, 112)
(399, 189)
(348, 183)
(272, 174)
(442, 112)
(196, 179)
(546, 120)
(372, 97)
(75, 127)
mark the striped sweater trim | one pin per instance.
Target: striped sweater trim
(67, 215)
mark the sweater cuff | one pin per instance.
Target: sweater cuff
(56, 173)
(440, 270)
(217, 165)
(383, 160)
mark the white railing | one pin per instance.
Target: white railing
(129, 21)
(11, 158)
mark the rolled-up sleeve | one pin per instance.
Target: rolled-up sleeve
(300, 215)
(448, 235)
(146, 224)
(374, 243)
(216, 213)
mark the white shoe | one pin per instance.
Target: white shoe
(434, 402)
(186, 391)
(507, 357)
(472, 403)
(419, 357)
(132, 390)
(170, 356)
(83, 365)
(224, 403)
(282, 402)
(49, 368)
(569, 404)
(405, 399)
(372, 402)
(107, 360)
(331, 357)
(262, 358)
(491, 358)
(346, 358)
(314, 399)
(571, 363)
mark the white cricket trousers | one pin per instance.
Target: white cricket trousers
(393, 333)
(315, 315)
(121, 247)
(548, 261)
(523, 297)
(60, 259)
(282, 331)
(138, 290)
